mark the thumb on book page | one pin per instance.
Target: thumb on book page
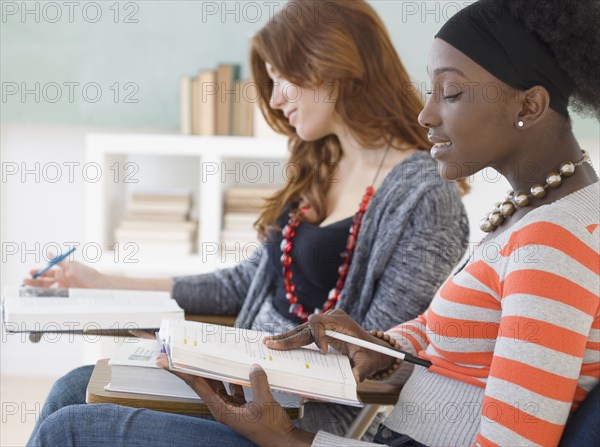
(260, 384)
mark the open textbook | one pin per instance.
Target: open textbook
(133, 370)
(227, 354)
(35, 309)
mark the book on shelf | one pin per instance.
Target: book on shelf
(158, 222)
(227, 74)
(204, 103)
(136, 223)
(154, 248)
(195, 100)
(35, 309)
(172, 203)
(149, 207)
(216, 102)
(250, 192)
(240, 206)
(239, 221)
(247, 199)
(243, 109)
(185, 105)
(227, 354)
(242, 209)
(133, 370)
(159, 218)
(153, 235)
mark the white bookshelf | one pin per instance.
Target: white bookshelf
(204, 165)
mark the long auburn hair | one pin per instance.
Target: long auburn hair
(344, 44)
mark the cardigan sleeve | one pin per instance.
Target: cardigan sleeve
(217, 293)
(429, 247)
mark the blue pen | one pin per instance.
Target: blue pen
(52, 263)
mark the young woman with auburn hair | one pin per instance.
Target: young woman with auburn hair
(358, 72)
(366, 225)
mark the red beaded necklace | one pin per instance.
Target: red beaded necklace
(288, 232)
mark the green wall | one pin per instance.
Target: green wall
(92, 59)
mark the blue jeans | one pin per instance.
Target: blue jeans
(70, 389)
(104, 425)
(392, 439)
(583, 427)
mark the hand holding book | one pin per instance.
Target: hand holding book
(262, 420)
(202, 355)
(365, 362)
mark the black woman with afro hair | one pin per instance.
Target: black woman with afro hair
(513, 338)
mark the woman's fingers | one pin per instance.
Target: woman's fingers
(212, 392)
(290, 340)
(162, 361)
(45, 280)
(199, 384)
(49, 274)
(361, 366)
(317, 329)
(289, 333)
(39, 282)
(261, 392)
(312, 331)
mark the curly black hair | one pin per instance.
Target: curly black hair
(571, 28)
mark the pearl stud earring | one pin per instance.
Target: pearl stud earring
(520, 123)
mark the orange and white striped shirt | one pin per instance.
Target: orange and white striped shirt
(515, 335)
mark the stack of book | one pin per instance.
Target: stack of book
(242, 209)
(216, 102)
(158, 222)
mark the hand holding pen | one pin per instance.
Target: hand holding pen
(48, 277)
(52, 263)
(368, 354)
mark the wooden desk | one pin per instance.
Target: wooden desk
(223, 320)
(377, 393)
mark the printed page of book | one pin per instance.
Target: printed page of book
(221, 352)
(138, 352)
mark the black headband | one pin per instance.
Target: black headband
(490, 35)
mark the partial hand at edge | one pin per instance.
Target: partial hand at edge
(262, 420)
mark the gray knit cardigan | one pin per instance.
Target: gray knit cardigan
(413, 233)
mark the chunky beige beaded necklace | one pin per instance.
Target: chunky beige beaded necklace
(505, 209)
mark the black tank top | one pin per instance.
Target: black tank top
(316, 256)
